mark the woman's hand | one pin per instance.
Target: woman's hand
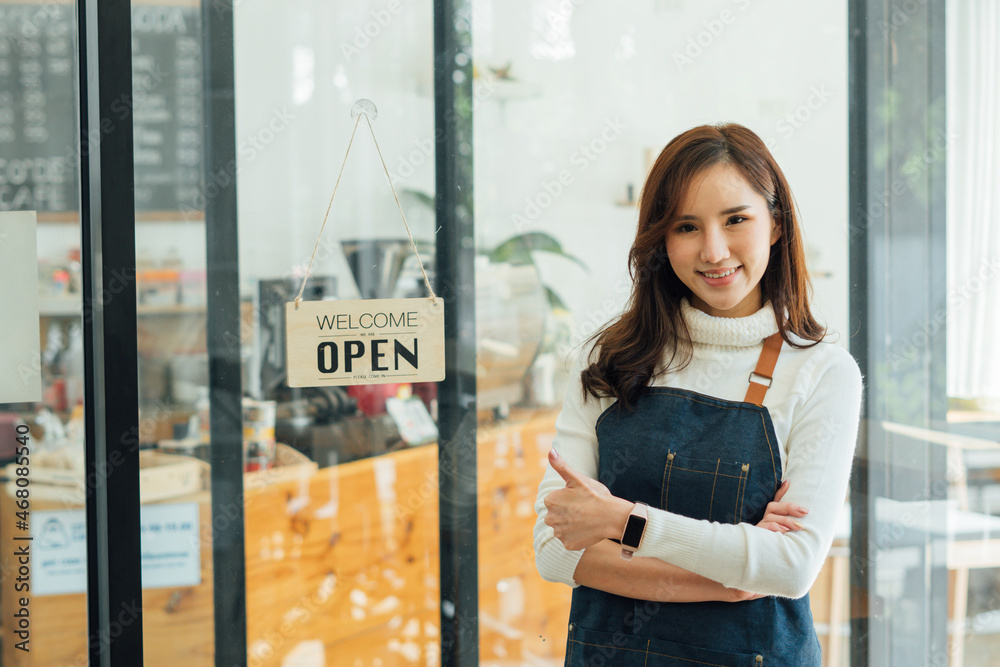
(585, 512)
(741, 596)
(779, 516)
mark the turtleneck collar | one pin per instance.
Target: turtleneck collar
(732, 331)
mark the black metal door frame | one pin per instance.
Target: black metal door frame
(114, 589)
(897, 284)
(114, 579)
(455, 258)
(111, 407)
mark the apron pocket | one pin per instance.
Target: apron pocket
(704, 489)
(671, 654)
(592, 648)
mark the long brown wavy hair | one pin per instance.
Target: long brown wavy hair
(633, 344)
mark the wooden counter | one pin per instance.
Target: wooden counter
(59, 622)
(343, 561)
(359, 570)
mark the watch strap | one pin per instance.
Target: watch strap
(636, 522)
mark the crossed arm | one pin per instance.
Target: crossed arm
(584, 515)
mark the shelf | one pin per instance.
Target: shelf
(73, 217)
(72, 306)
(171, 310)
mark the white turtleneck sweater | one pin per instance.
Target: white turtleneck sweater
(814, 403)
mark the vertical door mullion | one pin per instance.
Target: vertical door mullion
(858, 101)
(455, 283)
(223, 336)
(897, 116)
(107, 215)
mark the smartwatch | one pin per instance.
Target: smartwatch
(634, 528)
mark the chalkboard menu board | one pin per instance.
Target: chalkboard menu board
(39, 154)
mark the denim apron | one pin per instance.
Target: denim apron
(705, 458)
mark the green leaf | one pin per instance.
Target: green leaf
(424, 198)
(518, 249)
(555, 303)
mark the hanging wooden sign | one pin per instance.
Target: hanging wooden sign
(371, 341)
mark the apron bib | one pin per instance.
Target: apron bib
(704, 458)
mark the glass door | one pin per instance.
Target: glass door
(593, 94)
(923, 259)
(43, 527)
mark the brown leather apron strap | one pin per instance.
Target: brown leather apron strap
(765, 368)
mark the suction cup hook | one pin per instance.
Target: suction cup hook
(366, 107)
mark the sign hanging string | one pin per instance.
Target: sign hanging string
(364, 109)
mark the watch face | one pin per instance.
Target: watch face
(633, 531)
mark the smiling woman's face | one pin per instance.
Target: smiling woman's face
(720, 241)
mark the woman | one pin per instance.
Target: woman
(712, 394)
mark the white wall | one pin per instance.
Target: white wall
(301, 65)
(766, 59)
(642, 69)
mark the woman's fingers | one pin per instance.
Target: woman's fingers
(577, 513)
(779, 516)
(743, 596)
(772, 526)
(786, 509)
(779, 507)
(570, 476)
(778, 523)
